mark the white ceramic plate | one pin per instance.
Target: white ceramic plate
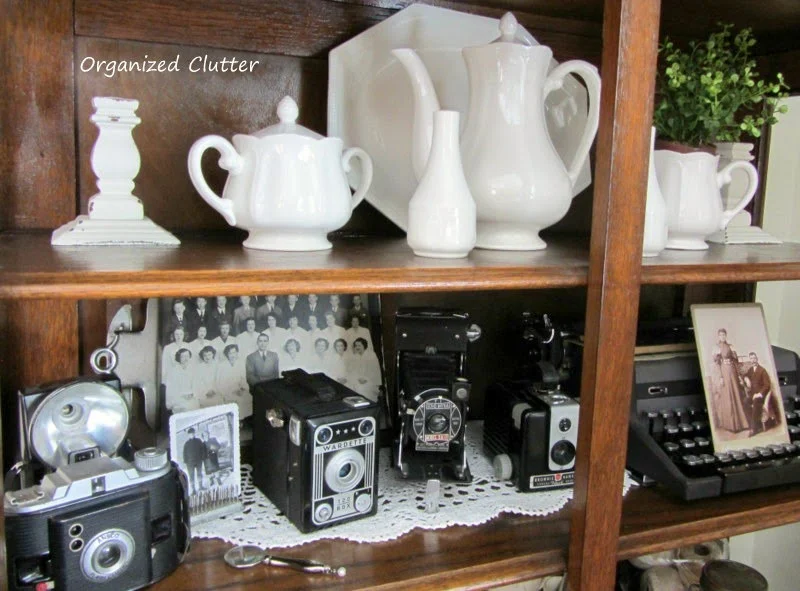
(370, 102)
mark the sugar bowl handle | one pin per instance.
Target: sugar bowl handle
(230, 160)
(366, 173)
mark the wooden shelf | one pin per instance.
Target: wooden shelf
(724, 264)
(31, 268)
(653, 520)
(506, 550)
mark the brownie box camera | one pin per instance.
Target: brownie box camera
(531, 435)
(316, 447)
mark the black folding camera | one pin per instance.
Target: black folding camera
(319, 440)
(98, 521)
(432, 393)
(531, 434)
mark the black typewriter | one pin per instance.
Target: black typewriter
(669, 438)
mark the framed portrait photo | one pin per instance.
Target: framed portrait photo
(204, 444)
(745, 406)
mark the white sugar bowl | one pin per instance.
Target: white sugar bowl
(286, 186)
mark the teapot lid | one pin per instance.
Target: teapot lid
(287, 114)
(508, 31)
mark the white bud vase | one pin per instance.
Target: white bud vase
(655, 215)
(441, 215)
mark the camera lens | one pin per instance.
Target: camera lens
(345, 470)
(324, 435)
(438, 423)
(76, 545)
(562, 453)
(76, 530)
(107, 555)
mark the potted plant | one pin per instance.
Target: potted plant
(708, 93)
(711, 92)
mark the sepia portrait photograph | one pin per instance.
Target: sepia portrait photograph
(205, 445)
(213, 349)
(744, 401)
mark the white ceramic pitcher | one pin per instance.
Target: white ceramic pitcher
(691, 187)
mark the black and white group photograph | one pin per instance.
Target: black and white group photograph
(205, 445)
(741, 381)
(213, 349)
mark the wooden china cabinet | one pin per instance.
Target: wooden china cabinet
(55, 303)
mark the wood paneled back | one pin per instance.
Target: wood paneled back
(287, 43)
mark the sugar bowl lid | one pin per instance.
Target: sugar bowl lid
(287, 115)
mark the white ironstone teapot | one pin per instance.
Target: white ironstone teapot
(286, 184)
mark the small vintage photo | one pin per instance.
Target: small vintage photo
(745, 406)
(205, 445)
(213, 349)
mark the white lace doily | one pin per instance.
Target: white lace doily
(401, 506)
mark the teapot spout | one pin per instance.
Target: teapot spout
(426, 103)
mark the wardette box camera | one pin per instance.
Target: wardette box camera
(319, 463)
(531, 434)
(432, 393)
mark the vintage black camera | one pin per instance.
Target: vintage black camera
(96, 520)
(551, 352)
(432, 393)
(531, 434)
(320, 450)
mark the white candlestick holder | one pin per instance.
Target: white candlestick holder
(116, 215)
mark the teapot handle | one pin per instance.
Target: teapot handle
(724, 177)
(230, 160)
(366, 173)
(554, 81)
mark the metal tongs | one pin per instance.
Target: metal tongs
(247, 556)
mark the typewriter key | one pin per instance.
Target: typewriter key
(724, 458)
(764, 452)
(751, 454)
(702, 442)
(692, 464)
(738, 456)
(794, 432)
(790, 448)
(687, 443)
(777, 449)
(685, 428)
(671, 447)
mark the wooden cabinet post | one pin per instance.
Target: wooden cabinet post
(630, 41)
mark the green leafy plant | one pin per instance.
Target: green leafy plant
(711, 92)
